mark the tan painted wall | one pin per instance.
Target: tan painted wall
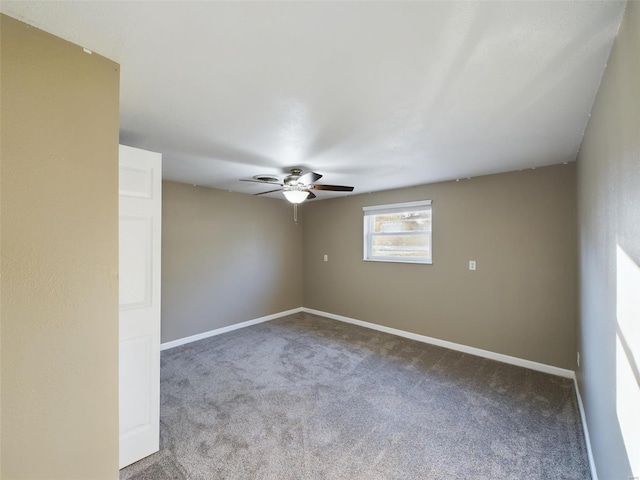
(609, 233)
(226, 258)
(59, 258)
(519, 227)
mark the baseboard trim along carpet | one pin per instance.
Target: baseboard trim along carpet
(585, 430)
(229, 328)
(540, 367)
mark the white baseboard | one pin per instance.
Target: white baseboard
(541, 367)
(585, 429)
(229, 328)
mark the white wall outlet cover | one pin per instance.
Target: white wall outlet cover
(472, 264)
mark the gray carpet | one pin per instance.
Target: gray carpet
(305, 397)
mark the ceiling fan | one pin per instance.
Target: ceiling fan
(297, 187)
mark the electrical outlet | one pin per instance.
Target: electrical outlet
(472, 264)
(326, 258)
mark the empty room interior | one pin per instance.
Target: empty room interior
(320, 240)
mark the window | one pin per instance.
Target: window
(399, 232)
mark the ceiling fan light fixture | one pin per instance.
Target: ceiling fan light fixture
(295, 196)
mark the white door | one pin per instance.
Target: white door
(140, 229)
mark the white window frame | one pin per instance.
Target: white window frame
(405, 207)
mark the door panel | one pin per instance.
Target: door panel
(136, 237)
(135, 379)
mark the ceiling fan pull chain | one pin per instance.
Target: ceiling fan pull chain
(295, 213)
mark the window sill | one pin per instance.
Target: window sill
(385, 260)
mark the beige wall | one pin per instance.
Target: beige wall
(609, 234)
(59, 258)
(519, 227)
(226, 258)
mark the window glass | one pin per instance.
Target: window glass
(398, 232)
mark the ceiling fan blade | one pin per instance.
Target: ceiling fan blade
(308, 178)
(270, 191)
(311, 195)
(261, 181)
(334, 188)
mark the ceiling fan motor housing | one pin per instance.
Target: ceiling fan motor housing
(292, 179)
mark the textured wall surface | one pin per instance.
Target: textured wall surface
(226, 258)
(519, 227)
(609, 233)
(59, 258)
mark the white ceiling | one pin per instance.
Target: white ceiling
(376, 95)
